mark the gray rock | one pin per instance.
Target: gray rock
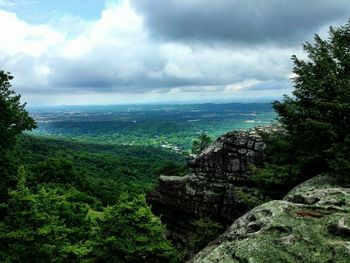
(311, 224)
(207, 192)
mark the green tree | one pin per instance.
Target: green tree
(200, 143)
(43, 227)
(171, 168)
(130, 232)
(317, 118)
(59, 171)
(13, 120)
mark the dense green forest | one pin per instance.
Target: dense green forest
(110, 170)
(64, 201)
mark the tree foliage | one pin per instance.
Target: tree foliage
(59, 171)
(130, 232)
(103, 171)
(43, 226)
(317, 118)
(171, 168)
(200, 143)
(13, 120)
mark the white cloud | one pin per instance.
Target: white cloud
(19, 37)
(242, 85)
(114, 58)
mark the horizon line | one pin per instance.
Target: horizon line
(264, 100)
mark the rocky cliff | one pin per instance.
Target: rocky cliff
(311, 224)
(219, 186)
(218, 177)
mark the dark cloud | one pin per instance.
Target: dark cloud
(105, 75)
(241, 21)
(97, 72)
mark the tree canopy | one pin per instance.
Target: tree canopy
(131, 233)
(317, 117)
(200, 143)
(14, 119)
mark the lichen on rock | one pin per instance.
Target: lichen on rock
(311, 224)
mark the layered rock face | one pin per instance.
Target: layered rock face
(220, 175)
(311, 224)
(228, 158)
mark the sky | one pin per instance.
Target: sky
(74, 52)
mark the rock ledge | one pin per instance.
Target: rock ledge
(311, 224)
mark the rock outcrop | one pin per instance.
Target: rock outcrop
(220, 176)
(311, 224)
(219, 187)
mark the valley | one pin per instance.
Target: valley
(167, 126)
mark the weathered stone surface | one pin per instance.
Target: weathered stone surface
(227, 159)
(219, 186)
(311, 224)
(210, 191)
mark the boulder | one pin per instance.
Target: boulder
(311, 224)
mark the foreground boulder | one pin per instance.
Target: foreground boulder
(311, 224)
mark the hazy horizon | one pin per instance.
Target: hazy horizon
(188, 102)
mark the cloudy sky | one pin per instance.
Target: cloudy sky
(141, 51)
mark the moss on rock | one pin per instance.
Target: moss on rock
(311, 224)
